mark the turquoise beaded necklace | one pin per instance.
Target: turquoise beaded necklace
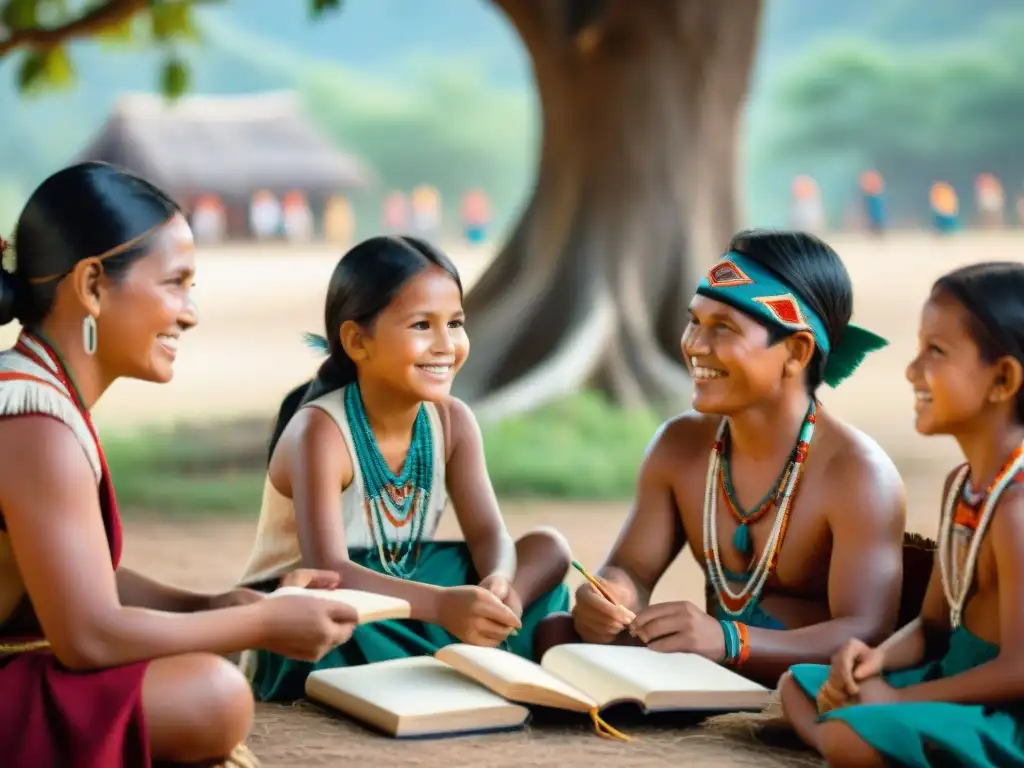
(741, 539)
(399, 500)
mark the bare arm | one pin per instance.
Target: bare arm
(51, 509)
(490, 545)
(916, 642)
(318, 471)
(1002, 679)
(653, 534)
(139, 591)
(925, 636)
(865, 572)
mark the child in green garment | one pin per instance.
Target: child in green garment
(363, 464)
(948, 689)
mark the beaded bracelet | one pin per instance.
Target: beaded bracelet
(737, 642)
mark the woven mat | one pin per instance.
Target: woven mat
(302, 735)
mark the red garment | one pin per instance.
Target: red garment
(51, 716)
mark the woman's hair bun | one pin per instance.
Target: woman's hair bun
(7, 287)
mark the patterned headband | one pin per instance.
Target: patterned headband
(756, 291)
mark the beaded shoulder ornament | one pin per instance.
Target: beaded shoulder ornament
(732, 602)
(960, 524)
(391, 500)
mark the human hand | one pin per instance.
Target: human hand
(831, 696)
(854, 662)
(680, 627)
(311, 578)
(305, 627)
(876, 691)
(476, 615)
(500, 586)
(595, 619)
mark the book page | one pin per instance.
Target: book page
(369, 605)
(611, 673)
(415, 695)
(514, 677)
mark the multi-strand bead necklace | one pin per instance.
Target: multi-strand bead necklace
(390, 499)
(732, 602)
(963, 529)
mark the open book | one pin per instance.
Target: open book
(465, 688)
(369, 605)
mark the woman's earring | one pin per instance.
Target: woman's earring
(89, 335)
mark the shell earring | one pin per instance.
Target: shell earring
(89, 335)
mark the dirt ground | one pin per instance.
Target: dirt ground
(247, 352)
(208, 555)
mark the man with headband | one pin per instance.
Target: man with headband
(796, 518)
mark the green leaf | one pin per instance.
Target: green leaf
(20, 14)
(174, 79)
(319, 7)
(41, 70)
(31, 72)
(122, 32)
(172, 19)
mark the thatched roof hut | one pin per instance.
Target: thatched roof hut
(227, 146)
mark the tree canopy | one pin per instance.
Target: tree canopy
(831, 110)
(43, 28)
(917, 115)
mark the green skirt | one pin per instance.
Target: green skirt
(441, 563)
(933, 733)
(753, 615)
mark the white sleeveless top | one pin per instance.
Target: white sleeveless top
(42, 394)
(276, 550)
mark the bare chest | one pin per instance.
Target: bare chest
(981, 613)
(802, 550)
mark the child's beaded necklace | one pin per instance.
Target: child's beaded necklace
(958, 574)
(398, 499)
(736, 603)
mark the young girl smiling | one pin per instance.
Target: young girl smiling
(949, 687)
(360, 474)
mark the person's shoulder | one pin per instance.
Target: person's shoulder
(685, 437)
(853, 452)
(860, 472)
(311, 431)
(457, 421)
(451, 409)
(36, 430)
(48, 451)
(1007, 525)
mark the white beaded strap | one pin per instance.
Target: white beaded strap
(755, 584)
(955, 583)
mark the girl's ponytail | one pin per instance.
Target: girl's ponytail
(335, 372)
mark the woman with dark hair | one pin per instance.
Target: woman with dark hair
(948, 689)
(795, 517)
(101, 667)
(364, 462)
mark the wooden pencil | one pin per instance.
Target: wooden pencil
(597, 584)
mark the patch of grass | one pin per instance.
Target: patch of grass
(187, 470)
(153, 492)
(582, 448)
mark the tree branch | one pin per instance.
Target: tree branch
(88, 24)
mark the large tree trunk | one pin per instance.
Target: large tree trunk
(641, 101)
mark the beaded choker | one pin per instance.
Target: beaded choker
(736, 603)
(956, 576)
(392, 500)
